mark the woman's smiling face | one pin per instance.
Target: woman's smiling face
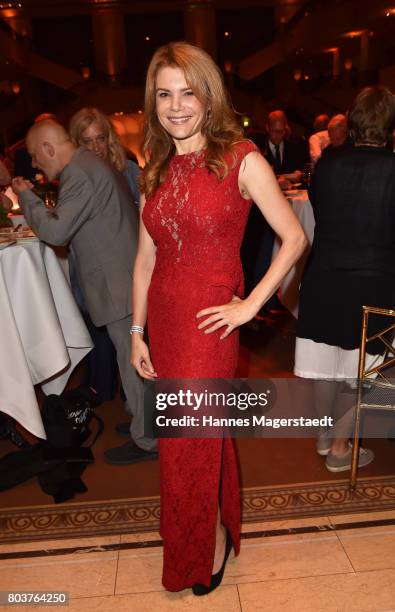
(178, 109)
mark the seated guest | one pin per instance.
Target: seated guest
(286, 156)
(338, 134)
(320, 122)
(94, 216)
(337, 130)
(319, 140)
(283, 154)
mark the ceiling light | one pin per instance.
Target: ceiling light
(228, 66)
(354, 33)
(85, 72)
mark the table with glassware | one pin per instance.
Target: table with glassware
(43, 335)
(289, 288)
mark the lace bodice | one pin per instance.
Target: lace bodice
(196, 220)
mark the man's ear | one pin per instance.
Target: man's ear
(48, 148)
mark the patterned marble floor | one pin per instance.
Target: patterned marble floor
(309, 565)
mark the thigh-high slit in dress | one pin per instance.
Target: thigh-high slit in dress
(197, 224)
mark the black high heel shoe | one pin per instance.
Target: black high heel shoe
(216, 579)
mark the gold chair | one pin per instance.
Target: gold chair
(375, 391)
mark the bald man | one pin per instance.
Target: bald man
(338, 130)
(18, 153)
(321, 122)
(339, 136)
(95, 217)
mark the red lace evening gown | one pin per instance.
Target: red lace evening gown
(197, 223)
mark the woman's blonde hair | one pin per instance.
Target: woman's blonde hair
(83, 119)
(219, 126)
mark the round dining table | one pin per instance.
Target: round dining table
(42, 333)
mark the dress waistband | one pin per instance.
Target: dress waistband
(205, 273)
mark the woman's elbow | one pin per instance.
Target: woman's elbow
(299, 241)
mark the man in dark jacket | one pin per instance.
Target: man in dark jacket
(284, 154)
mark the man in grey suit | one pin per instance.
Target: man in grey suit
(95, 216)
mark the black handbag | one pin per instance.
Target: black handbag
(66, 418)
(59, 461)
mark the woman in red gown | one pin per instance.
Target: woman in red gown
(199, 181)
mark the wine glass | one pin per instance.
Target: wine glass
(307, 173)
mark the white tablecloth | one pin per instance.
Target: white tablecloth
(289, 289)
(61, 252)
(42, 333)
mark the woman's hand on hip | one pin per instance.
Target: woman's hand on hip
(231, 315)
(140, 358)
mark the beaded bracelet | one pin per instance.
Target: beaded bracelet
(136, 329)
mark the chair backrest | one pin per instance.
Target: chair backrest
(386, 336)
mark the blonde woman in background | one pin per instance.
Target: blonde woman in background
(92, 129)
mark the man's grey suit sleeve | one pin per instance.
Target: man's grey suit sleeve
(58, 226)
